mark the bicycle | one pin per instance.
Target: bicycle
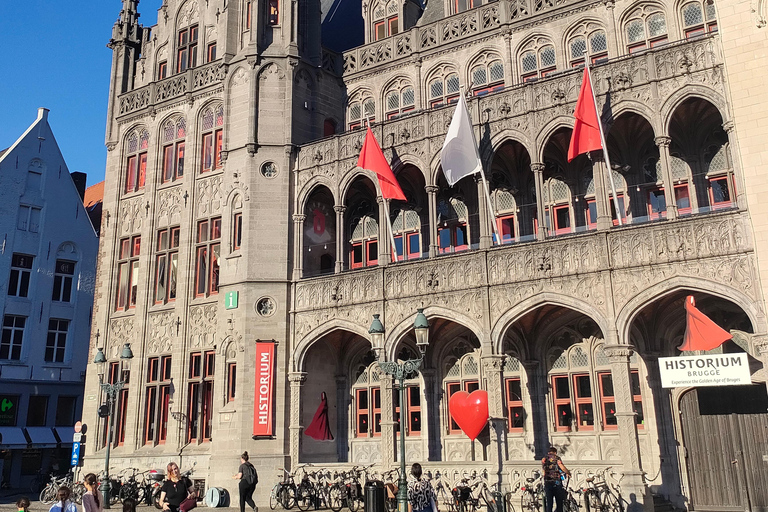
(132, 488)
(443, 496)
(599, 495)
(284, 492)
(533, 491)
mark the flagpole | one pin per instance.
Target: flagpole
(386, 211)
(496, 237)
(602, 143)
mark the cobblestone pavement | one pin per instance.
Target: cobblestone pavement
(8, 504)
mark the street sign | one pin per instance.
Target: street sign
(8, 407)
(230, 300)
(78, 426)
(75, 459)
(76, 437)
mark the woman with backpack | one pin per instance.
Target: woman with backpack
(248, 480)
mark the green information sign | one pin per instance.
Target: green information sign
(230, 300)
(8, 407)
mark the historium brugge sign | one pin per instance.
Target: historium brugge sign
(707, 370)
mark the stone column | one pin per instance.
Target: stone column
(663, 143)
(600, 176)
(388, 440)
(342, 418)
(760, 342)
(632, 480)
(385, 251)
(738, 175)
(493, 371)
(339, 209)
(427, 378)
(298, 245)
(536, 426)
(432, 198)
(486, 230)
(538, 174)
(297, 380)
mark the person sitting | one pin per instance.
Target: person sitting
(177, 493)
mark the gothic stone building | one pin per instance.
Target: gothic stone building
(563, 322)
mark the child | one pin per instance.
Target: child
(23, 504)
(64, 504)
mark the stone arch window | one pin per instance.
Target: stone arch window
(583, 397)
(237, 223)
(537, 59)
(487, 75)
(698, 18)
(212, 138)
(443, 88)
(186, 48)
(366, 395)
(646, 28)
(719, 176)
(681, 177)
(399, 98)
(557, 206)
(505, 207)
(174, 132)
(588, 186)
(362, 106)
(452, 225)
(621, 195)
(513, 394)
(231, 367)
(136, 148)
(364, 242)
(385, 19)
(460, 374)
(588, 43)
(407, 232)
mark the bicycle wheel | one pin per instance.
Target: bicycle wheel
(612, 503)
(336, 498)
(353, 498)
(48, 494)
(304, 496)
(126, 491)
(528, 502)
(487, 499)
(508, 505)
(594, 502)
(570, 504)
(287, 497)
(273, 496)
(78, 490)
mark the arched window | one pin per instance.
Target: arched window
(655, 200)
(719, 176)
(136, 161)
(699, 18)
(212, 138)
(364, 242)
(329, 127)
(583, 397)
(487, 76)
(537, 60)
(237, 224)
(513, 394)
(400, 98)
(385, 19)
(462, 374)
(505, 207)
(406, 228)
(452, 225)
(444, 88)
(174, 132)
(366, 392)
(557, 206)
(186, 50)
(647, 29)
(596, 50)
(359, 109)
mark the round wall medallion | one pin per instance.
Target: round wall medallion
(266, 306)
(269, 169)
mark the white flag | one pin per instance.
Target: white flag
(460, 156)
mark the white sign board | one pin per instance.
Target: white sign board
(708, 370)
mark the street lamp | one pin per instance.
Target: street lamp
(399, 371)
(111, 390)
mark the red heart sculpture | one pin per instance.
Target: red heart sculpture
(469, 411)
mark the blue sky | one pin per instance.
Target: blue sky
(54, 55)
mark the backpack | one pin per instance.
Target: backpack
(250, 475)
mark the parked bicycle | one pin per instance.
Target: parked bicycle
(600, 496)
(533, 493)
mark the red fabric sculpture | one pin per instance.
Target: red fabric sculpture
(701, 333)
(319, 428)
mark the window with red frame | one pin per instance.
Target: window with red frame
(158, 395)
(211, 52)
(506, 227)
(443, 90)
(515, 410)
(120, 405)
(719, 192)
(237, 231)
(329, 127)
(368, 412)
(364, 246)
(453, 238)
(643, 33)
(620, 198)
(162, 70)
(562, 216)
(682, 199)
(699, 18)
(637, 397)
(274, 12)
(657, 203)
(538, 63)
(413, 411)
(469, 386)
(166, 265)
(608, 400)
(212, 138)
(399, 101)
(231, 381)
(561, 393)
(463, 5)
(207, 250)
(487, 78)
(136, 162)
(596, 50)
(248, 12)
(129, 250)
(360, 110)
(173, 150)
(412, 246)
(585, 411)
(200, 405)
(591, 213)
(186, 51)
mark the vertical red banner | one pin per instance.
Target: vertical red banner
(263, 406)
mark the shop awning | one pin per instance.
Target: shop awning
(12, 437)
(42, 437)
(63, 435)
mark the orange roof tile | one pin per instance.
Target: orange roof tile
(94, 194)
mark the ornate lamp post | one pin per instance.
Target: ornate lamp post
(111, 391)
(400, 371)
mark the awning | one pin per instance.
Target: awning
(63, 435)
(42, 437)
(12, 437)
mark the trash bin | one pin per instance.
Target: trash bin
(374, 496)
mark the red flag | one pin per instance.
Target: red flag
(586, 129)
(373, 159)
(319, 428)
(701, 333)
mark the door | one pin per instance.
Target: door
(725, 439)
